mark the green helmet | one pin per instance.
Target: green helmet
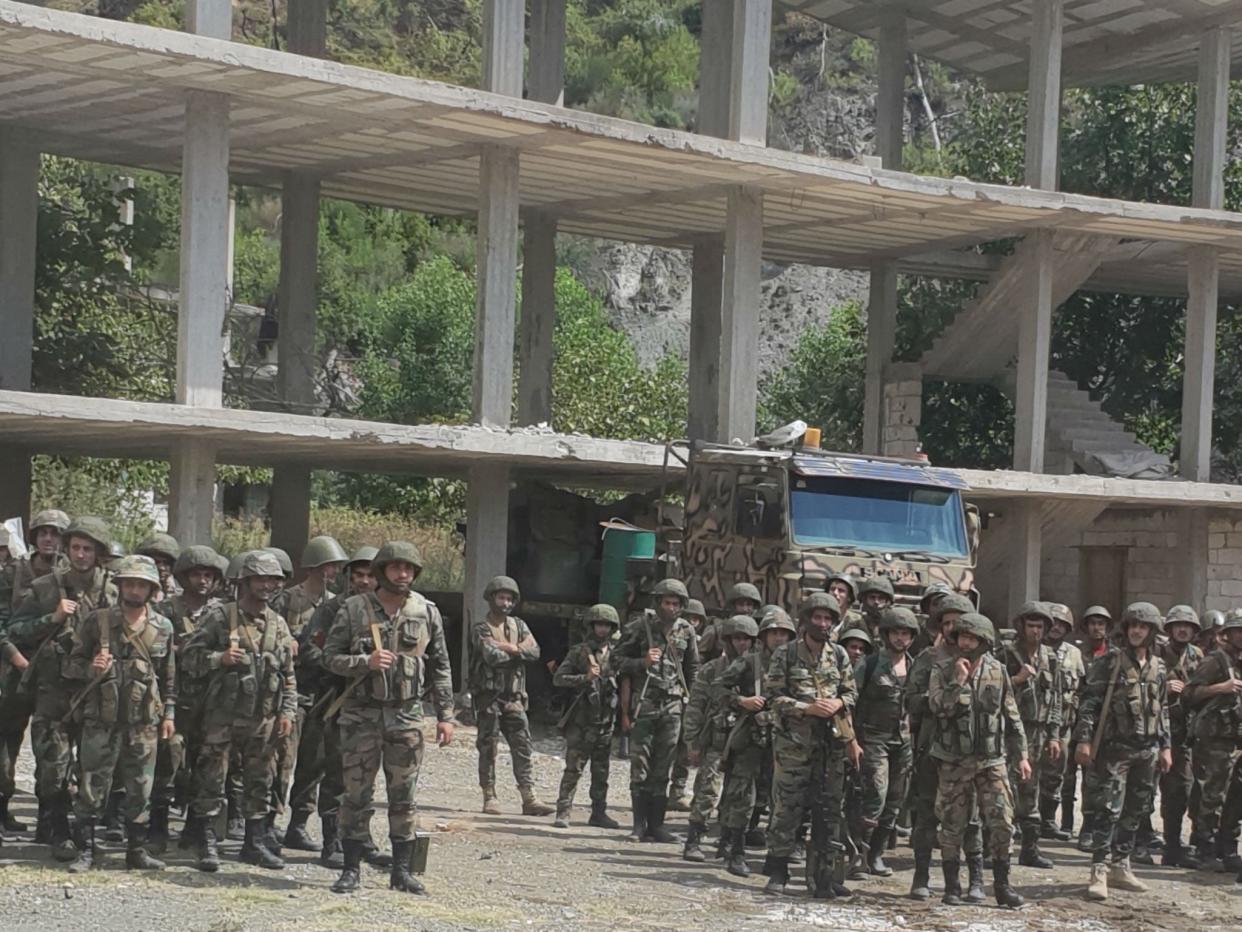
(233, 573)
(744, 590)
(1184, 614)
(1099, 611)
(93, 529)
(670, 586)
(978, 625)
(953, 602)
(602, 612)
(260, 563)
(876, 584)
(846, 580)
(856, 634)
(286, 565)
(933, 590)
(1143, 613)
(1232, 620)
(695, 608)
(1059, 611)
(363, 555)
(1213, 619)
(160, 545)
(1034, 610)
(817, 600)
(502, 584)
(48, 517)
(322, 550)
(738, 624)
(394, 550)
(115, 550)
(773, 617)
(897, 617)
(196, 556)
(137, 566)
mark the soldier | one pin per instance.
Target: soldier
(589, 720)
(1094, 631)
(164, 550)
(1215, 694)
(926, 772)
(875, 594)
(42, 628)
(660, 655)
(857, 643)
(1036, 683)
(502, 646)
(743, 598)
(977, 727)
(776, 628)
(1054, 787)
(883, 730)
(841, 587)
(318, 779)
(389, 644)
(677, 799)
(46, 539)
(856, 837)
(123, 662)
(1123, 738)
(1213, 622)
(245, 653)
(1182, 658)
(810, 688)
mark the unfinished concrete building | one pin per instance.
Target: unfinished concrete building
(222, 113)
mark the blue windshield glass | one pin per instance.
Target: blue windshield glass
(877, 516)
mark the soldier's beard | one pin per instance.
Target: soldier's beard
(502, 609)
(389, 586)
(133, 603)
(818, 635)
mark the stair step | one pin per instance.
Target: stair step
(1112, 432)
(1111, 446)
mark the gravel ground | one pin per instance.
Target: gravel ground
(510, 871)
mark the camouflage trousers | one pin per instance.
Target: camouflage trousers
(1120, 793)
(14, 717)
(741, 777)
(707, 783)
(964, 785)
(653, 744)
(926, 833)
(885, 773)
(585, 745)
(124, 754)
(317, 782)
(681, 770)
(52, 742)
(286, 763)
(1053, 775)
(494, 721)
(373, 738)
(1214, 760)
(1175, 789)
(805, 778)
(255, 745)
(1026, 795)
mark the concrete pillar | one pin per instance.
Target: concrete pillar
(1034, 344)
(1043, 119)
(739, 333)
(545, 81)
(903, 410)
(1026, 554)
(706, 280)
(191, 492)
(504, 31)
(19, 213)
(213, 18)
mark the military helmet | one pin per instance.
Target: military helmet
(160, 545)
(115, 550)
(321, 550)
(48, 517)
(1034, 609)
(286, 565)
(394, 550)
(1143, 613)
(93, 529)
(1213, 619)
(773, 617)
(855, 634)
(1059, 611)
(953, 602)
(876, 584)
(739, 624)
(695, 607)
(897, 617)
(137, 566)
(233, 573)
(602, 612)
(363, 555)
(1185, 615)
(670, 586)
(845, 579)
(1232, 620)
(933, 589)
(260, 563)
(1097, 610)
(744, 590)
(978, 625)
(502, 584)
(196, 556)
(818, 600)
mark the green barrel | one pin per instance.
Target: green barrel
(621, 544)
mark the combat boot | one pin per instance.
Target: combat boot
(920, 886)
(1067, 816)
(351, 872)
(296, 836)
(136, 856)
(400, 878)
(1086, 836)
(374, 856)
(975, 892)
(84, 838)
(1227, 851)
(63, 847)
(562, 816)
(600, 817)
(656, 806)
(235, 822)
(1121, 877)
(112, 826)
(157, 831)
(736, 864)
(777, 869)
(208, 850)
(8, 821)
(491, 805)
(270, 838)
(1030, 855)
(678, 801)
(531, 804)
(43, 824)
(875, 853)
(1048, 828)
(638, 804)
(254, 851)
(692, 852)
(1005, 894)
(1097, 887)
(952, 882)
(756, 837)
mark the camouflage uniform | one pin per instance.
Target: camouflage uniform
(1217, 731)
(1052, 777)
(677, 799)
(701, 732)
(1175, 786)
(977, 728)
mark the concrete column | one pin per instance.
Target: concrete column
(1026, 555)
(191, 492)
(1043, 120)
(487, 536)
(212, 18)
(307, 32)
(748, 72)
(504, 31)
(706, 280)
(1034, 344)
(739, 334)
(903, 409)
(545, 81)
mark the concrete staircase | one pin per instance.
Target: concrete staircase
(1078, 428)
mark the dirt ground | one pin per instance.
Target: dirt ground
(509, 871)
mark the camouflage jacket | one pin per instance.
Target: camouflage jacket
(1073, 672)
(1215, 716)
(672, 677)
(977, 720)
(595, 700)
(740, 679)
(415, 633)
(796, 678)
(1039, 697)
(700, 726)
(494, 672)
(918, 681)
(46, 642)
(22, 573)
(880, 715)
(299, 607)
(1181, 666)
(261, 686)
(1138, 713)
(709, 642)
(314, 679)
(140, 687)
(185, 621)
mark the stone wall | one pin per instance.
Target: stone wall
(903, 409)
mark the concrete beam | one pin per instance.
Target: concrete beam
(1043, 121)
(1026, 555)
(1034, 345)
(191, 491)
(881, 338)
(537, 324)
(545, 81)
(213, 18)
(740, 302)
(504, 42)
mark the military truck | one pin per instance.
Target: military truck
(788, 517)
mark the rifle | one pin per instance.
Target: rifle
(594, 684)
(23, 685)
(642, 693)
(99, 677)
(1098, 736)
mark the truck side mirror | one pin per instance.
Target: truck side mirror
(974, 524)
(758, 511)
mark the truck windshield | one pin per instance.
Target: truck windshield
(877, 516)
